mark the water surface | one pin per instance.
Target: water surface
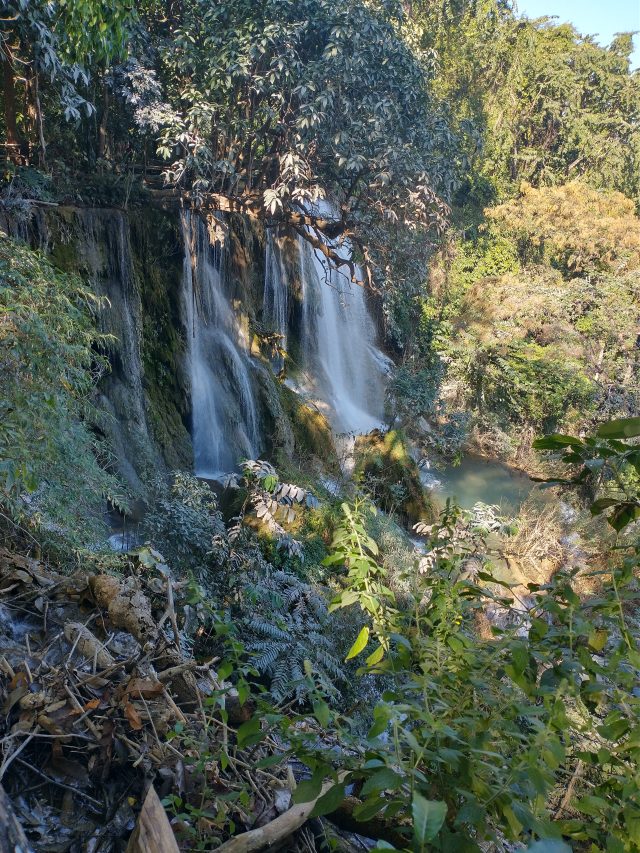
(480, 480)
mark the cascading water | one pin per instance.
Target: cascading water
(225, 424)
(105, 252)
(275, 299)
(345, 369)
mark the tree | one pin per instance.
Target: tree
(548, 104)
(277, 103)
(49, 371)
(573, 228)
(58, 41)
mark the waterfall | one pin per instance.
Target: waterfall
(105, 252)
(345, 368)
(275, 301)
(225, 424)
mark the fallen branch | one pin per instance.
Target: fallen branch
(282, 827)
(577, 773)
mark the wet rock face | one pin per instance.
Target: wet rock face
(133, 260)
(136, 260)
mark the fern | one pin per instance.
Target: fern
(290, 625)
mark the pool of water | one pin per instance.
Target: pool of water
(477, 479)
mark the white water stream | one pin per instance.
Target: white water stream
(345, 369)
(275, 299)
(224, 414)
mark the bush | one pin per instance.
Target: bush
(49, 371)
(572, 227)
(183, 521)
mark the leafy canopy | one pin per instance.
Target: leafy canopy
(277, 103)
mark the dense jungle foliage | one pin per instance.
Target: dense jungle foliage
(479, 690)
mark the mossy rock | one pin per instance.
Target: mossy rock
(312, 434)
(385, 466)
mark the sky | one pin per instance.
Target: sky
(600, 18)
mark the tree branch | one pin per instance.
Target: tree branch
(282, 827)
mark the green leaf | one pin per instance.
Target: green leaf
(549, 845)
(224, 670)
(249, 731)
(360, 643)
(369, 808)
(520, 657)
(597, 639)
(556, 441)
(428, 818)
(385, 779)
(601, 504)
(376, 656)
(322, 712)
(623, 515)
(309, 789)
(591, 805)
(270, 760)
(329, 801)
(621, 428)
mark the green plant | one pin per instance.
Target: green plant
(288, 629)
(185, 524)
(483, 735)
(52, 466)
(272, 500)
(353, 547)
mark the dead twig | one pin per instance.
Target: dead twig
(14, 755)
(52, 781)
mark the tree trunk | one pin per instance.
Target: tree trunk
(42, 155)
(9, 87)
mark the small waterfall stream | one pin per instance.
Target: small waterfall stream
(105, 252)
(346, 370)
(275, 299)
(224, 415)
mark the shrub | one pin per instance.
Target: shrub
(49, 371)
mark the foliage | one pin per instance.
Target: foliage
(550, 104)
(184, 522)
(271, 109)
(527, 383)
(365, 580)
(485, 729)
(271, 498)
(389, 474)
(526, 733)
(50, 466)
(79, 31)
(548, 338)
(413, 392)
(55, 42)
(288, 629)
(610, 464)
(573, 228)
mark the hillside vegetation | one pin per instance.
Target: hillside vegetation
(309, 649)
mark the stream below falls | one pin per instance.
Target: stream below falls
(477, 479)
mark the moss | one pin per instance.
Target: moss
(157, 251)
(387, 470)
(313, 439)
(63, 239)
